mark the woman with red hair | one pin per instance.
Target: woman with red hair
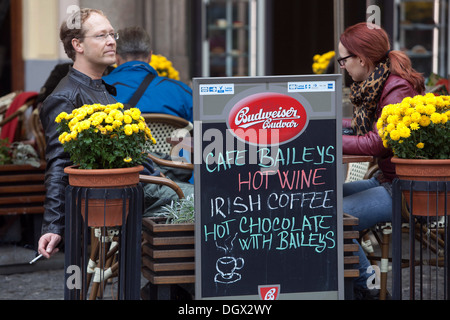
(381, 77)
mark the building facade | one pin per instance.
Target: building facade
(223, 37)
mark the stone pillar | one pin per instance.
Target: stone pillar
(167, 23)
(120, 13)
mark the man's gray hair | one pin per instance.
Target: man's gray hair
(133, 42)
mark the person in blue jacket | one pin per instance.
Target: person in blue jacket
(161, 95)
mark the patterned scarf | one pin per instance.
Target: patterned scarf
(365, 96)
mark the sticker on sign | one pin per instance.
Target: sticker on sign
(312, 86)
(269, 292)
(216, 89)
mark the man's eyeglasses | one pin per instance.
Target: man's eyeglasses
(104, 36)
(342, 61)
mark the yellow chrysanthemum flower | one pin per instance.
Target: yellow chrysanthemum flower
(415, 117)
(116, 124)
(62, 137)
(141, 125)
(395, 135)
(127, 119)
(109, 119)
(164, 67)
(404, 126)
(321, 62)
(135, 128)
(435, 118)
(414, 126)
(430, 109)
(118, 116)
(61, 116)
(83, 132)
(404, 132)
(407, 121)
(424, 121)
(390, 127)
(135, 113)
(128, 129)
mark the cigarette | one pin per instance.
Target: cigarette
(36, 259)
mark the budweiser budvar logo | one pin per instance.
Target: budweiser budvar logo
(269, 292)
(267, 118)
(272, 119)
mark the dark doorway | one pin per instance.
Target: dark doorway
(5, 48)
(300, 29)
(12, 75)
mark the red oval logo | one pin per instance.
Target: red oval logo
(267, 118)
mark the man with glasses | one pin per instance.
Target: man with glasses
(89, 40)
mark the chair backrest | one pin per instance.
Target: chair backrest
(165, 126)
(356, 171)
(12, 125)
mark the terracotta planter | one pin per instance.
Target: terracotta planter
(101, 213)
(424, 203)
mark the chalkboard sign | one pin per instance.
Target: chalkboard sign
(267, 187)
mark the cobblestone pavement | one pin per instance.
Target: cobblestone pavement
(43, 280)
(39, 285)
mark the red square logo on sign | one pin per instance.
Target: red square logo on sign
(269, 292)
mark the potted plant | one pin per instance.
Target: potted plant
(321, 62)
(5, 152)
(168, 248)
(418, 130)
(107, 145)
(164, 67)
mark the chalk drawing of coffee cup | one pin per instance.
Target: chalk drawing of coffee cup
(227, 266)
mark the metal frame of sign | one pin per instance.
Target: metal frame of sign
(250, 102)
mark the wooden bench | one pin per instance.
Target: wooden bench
(22, 189)
(22, 192)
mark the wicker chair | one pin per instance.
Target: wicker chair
(165, 126)
(5, 101)
(15, 131)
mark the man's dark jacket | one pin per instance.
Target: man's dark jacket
(74, 91)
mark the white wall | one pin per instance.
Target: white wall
(42, 49)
